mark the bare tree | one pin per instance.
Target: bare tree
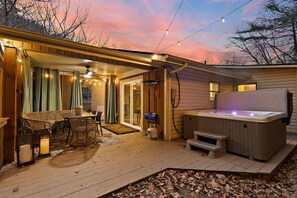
(271, 38)
(12, 13)
(233, 58)
(58, 18)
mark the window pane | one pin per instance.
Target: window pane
(214, 86)
(212, 95)
(127, 103)
(136, 103)
(213, 89)
(247, 87)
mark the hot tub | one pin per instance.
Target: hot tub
(250, 116)
(256, 134)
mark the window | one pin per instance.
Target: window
(213, 89)
(87, 96)
(247, 87)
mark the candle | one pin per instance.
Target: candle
(25, 153)
(44, 146)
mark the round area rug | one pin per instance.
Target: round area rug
(59, 145)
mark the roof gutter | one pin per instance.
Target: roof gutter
(255, 66)
(197, 66)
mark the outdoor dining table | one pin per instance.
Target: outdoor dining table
(72, 114)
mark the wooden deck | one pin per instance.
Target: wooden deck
(96, 172)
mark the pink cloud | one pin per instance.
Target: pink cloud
(140, 26)
(145, 30)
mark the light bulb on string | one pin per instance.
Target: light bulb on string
(223, 19)
(178, 43)
(167, 32)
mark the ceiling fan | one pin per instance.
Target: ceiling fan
(88, 71)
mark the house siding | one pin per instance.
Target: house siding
(194, 86)
(131, 73)
(275, 78)
(98, 97)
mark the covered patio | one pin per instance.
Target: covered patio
(94, 173)
(43, 74)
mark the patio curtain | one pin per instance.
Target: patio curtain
(76, 91)
(54, 91)
(27, 87)
(47, 95)
(37, 89)
(111, 114)
(44, 89)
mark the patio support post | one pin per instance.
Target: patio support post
(167, 102)
(10, 102)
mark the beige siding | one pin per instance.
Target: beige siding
(130, 73)
(276, 78)
(98, 97)
(194, 93)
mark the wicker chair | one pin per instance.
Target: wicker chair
(81, 127)
(37, 126)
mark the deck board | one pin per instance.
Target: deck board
(99, 171)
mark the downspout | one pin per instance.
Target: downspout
(185, 65)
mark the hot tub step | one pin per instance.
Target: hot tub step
(210, 135)
(220, 140)
(214, 150)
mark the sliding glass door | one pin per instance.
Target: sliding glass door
(131, 103)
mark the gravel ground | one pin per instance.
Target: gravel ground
(176, 183)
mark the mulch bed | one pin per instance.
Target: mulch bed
(176, 183)
(119, 128)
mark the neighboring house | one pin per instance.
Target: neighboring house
(121, 73)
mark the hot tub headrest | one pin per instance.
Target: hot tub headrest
(260, 100)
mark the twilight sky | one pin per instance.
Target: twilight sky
(140, 24)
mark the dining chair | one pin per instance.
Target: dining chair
(81, 126)
(98, 120)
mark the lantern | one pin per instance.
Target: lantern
(25, 146)
(44, 142)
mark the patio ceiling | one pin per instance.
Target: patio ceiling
(65, 63)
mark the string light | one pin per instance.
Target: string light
(167, 30)
(155, 56)
(178, 43)
(223, 20)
